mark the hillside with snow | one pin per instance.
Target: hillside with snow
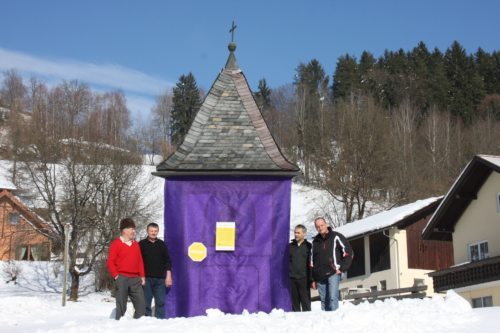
(306, 202)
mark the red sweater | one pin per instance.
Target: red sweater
(125, 260)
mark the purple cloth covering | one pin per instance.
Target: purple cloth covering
(253, 277)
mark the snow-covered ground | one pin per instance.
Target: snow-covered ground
(34, 306)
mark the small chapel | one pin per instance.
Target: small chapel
(227, 206)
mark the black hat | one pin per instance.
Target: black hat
(127, 223)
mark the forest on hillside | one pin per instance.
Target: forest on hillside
(392, 129)
(397, 128)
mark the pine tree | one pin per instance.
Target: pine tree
(438, 82)
(419, 77)
(263, 96)
(346, 80)
(466, 87)
(311, 85)
(366, 72)
(486, 67)
(186, 103)
(395, 83)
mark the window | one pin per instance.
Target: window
(482, 302)
(380, 258)
(373, 288)
(14, 218)
(478, 251)
(418, 282)
(358, 261)
(383, 285)
(498, 202)
(23, 253)
(33, 252)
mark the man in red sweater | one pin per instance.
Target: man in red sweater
(126, 266)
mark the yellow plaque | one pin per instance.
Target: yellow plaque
(225, 236)
(197, 251)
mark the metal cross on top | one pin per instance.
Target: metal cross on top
(233, 27)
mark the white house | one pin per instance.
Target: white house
(389, 252)
(470, 215)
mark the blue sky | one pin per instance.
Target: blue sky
(142, 47)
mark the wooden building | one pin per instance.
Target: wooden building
(22, 231)
(470, 216)
(389, 252)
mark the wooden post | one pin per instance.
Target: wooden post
(65, 260)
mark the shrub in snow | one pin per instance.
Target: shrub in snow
(11, 271)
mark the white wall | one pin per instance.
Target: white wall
(398, 249)
(479, 222)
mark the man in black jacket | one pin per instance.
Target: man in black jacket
(157, 266)
(331, 256)
(300, 270)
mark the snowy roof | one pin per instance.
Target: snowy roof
(5, 182)
(491, 158)
(459, 196)
(385, 219)
(229, 135)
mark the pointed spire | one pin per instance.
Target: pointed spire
(228, 136)
(231, 63)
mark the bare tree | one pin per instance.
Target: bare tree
(403, 121)
(148, 139)
(355, 166)
(13, 91)
(161, 123)
(89, 185)
(284, 101)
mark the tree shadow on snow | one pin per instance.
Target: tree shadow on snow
(47, 277)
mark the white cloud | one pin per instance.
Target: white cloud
(140, 89)
(104, 75)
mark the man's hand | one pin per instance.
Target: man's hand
(313, 285)
(143, 280)
(168, 280)
(338, 272)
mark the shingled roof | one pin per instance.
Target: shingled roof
(229, 135)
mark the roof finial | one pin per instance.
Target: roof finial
(231, 61)
(232, 45)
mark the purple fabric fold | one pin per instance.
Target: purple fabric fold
(254, 277)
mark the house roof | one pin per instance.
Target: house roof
(30, 216)
(5, 182)
(460, 195)
(401, 216)
(229, 135)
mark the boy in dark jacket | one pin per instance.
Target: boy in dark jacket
(300, 270)
(331, 256)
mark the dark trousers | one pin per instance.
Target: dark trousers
(301, 295)
(155, 288)
(126, 287)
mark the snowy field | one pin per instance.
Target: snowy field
(34, 305)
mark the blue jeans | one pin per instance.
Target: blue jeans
(155, 287)
(329, 293)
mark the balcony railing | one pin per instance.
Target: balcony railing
(469, 274)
